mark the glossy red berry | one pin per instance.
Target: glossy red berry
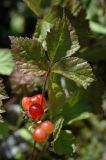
(39, 98)
(39, 135)
(47, 127)
(26, 103)
(36, 111)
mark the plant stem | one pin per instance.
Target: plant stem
(45, 146)
(43, 92)
(44, 86)
(32, 153)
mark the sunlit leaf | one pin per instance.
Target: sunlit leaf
(75, 69)
(28, 50)
(6, 62)
(59, 40)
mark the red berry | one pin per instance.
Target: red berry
(38, 99)
(26, 103)
(39, 135)
(36, 111)
(47, 126)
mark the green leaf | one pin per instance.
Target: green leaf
(56, 96)
(81, 26)
(74, 6)
(77, 108)
(30, 51)
(57, 2)
(75, 69)
(44, 28)
(26, 135)
(37, 6)
(58, 125)
(98, 28)
(81, 104)
(97, 20)
(6, 62)
(59, 40)
(75, 44)
(82, 116)
(54, 15)
(93, 53)
(64, 143)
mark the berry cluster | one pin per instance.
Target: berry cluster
(43, 130)
(35, 108)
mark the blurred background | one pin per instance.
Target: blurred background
(15, 139)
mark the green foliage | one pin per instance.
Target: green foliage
(26, 135)
(75, 69)
(96, 13)
(63, 144)
(6, 62)
(45, 28)
(37, 6)
(53, 52)
(76, 108)
(29, 50)
(82, 104)
(58, 41)
(57, 129)
(58, 58)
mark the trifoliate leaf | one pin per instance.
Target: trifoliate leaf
(64, 143)
(6, 62)
(75, 69)
(29, 50)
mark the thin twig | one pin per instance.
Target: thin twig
(43, 90)
(45, 146)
